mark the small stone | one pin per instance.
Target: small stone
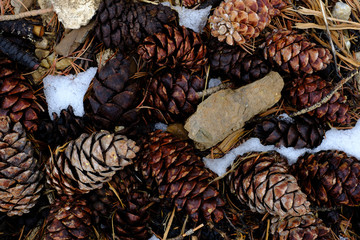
(63, 63)
(51, 58)
(41, 53)
(227, 110)
(39, 74)
(43, 44)
(44, 63)
(341, 11)
(103, 57)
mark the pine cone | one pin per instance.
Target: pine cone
(86, 163)
(180, 176)
(329, 178)
(294, 53)
(302, 132)
(69, 218)
(310, 90)
(17, 98)
(61, 129)
(306, 227)
(113, 96)
(124, 24)
(236, 63)
(264, 184)
(238, 21)
(19, 175)
(174, 47)
(173, 96)
(191, 3)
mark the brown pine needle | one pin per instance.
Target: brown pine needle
(169, 225)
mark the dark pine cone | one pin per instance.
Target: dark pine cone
(124, 24)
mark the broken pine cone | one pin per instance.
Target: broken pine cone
(19, 174)
(240, 66)
(124, 24)
(171, 166)
(329, 178)
(300, 132)
(21, 28)
(175, 47)
(113, 97)
(239, 21)
(17, 98)
(294, 53)
(191, 3)
(61, 129)
(86, 163)
(263, 182)
(69, 218)
(309, 90)
(307, 227)
(173, 96)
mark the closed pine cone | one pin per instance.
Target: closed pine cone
(86, 163)
(264, 184)
(175, 47)
(238, 21)
(124, 24)
(307, 91)
(171, 166)
(69, 219)
(114, 97)
(303, 132)
(294, 53)
(307, 227)
(19, 174)
(172, 96)
(329, 178)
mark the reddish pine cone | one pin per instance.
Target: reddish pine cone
(294, 53)
(17, 98)
(89, 161)
(175, 47)
(113, 96)
(173, 96)
(307, 227)
(69, 218)
(191, 3)
(329, 178)
(238, 21)
(171, 166)
(124, 24)
(19, 174)
(310, 90)
(235, 63)
(264, 184)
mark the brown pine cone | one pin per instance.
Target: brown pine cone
(172, 96)
(294, 53)
(86, 163)
(191, 3)
(310, 90)
(175, 47)
(302, 132)
(329, 178)
(302, 227)
(264, 184)
(61, 129)
(171, 166)
(238, 21)
(124, 24)
(236, 63)
(114, 97)
(19, 174)
(69, 218)
(17, 98)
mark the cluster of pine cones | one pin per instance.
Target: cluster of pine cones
(109, 175)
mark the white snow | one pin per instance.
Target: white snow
(191, 18)
(153, 238)
(285, 118)
(62, 91)
(160, 126)
(343, 140)
(214, 82)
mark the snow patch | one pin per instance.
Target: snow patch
(160, 126)
(194, 19)
(342, 140)
(62, 91)
(153, 238)
(214, 82)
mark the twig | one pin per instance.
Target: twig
(329, 36)
(212, 90)
(26, 14)
(188, 233)
(327, 97)
(169, 224)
